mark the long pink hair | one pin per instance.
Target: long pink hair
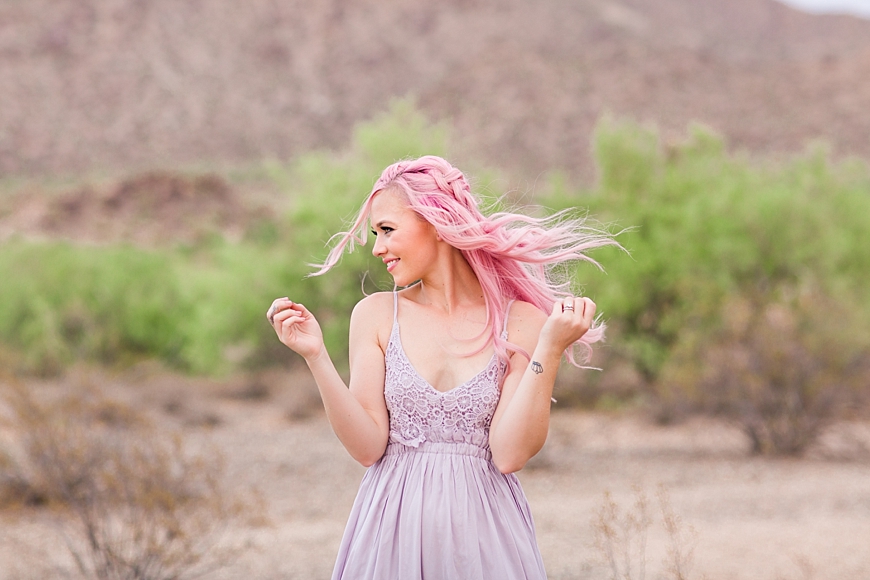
(515, 257)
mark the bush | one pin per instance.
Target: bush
(710, 230)
(704, 224)
(141, 506)
(781, 367)
(117, 305)
(201, 307)
(66, 302)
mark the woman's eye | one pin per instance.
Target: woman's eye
(374, 233)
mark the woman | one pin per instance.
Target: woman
(441, 437)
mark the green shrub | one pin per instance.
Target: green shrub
(201, 308)
(62, 302)
(705, 224)
(710, 229)
(707, 230)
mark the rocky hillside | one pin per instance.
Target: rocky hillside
(108, 84)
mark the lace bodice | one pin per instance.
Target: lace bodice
(419, 412)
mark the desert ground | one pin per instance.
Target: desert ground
(737, 516)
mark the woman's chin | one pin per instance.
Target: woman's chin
(402, 282)
(399, 280)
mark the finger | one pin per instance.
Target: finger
(285, 313)
(276, 307)
(589, 308)
(291, 320)
(305, 312)
(568, 305)
(557, 308)
(281, 304)
(278, 301)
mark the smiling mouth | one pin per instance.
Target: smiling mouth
(392, 263)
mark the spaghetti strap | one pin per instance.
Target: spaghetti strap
(507, 312)
(395, 307)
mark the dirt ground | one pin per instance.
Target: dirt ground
(745, 517)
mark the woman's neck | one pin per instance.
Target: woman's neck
(451, 284)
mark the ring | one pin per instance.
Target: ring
(567, 308)
(271, 315)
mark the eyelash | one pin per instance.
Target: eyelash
(384, 229)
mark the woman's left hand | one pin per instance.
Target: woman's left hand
(570, 320)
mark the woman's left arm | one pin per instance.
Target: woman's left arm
(521, 420)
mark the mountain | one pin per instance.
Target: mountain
(102, 84)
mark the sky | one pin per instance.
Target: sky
(856, 7)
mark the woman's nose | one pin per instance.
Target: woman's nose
(379, 247)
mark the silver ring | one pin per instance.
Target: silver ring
(567, 308)
(271, 314)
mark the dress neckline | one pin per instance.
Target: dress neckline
(397, 335)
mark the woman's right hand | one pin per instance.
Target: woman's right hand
(296, 327)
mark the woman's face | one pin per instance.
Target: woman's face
(403, 240)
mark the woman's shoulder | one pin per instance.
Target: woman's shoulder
(375, 305)
(525, 311)
(525, 321)
(373, 317)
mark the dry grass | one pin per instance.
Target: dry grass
(758, 518)
(621, 537)
(133, 501)
(682, 539)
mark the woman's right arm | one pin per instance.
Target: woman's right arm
(358, 414)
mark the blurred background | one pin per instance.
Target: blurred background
(167, 168)
(128, 85)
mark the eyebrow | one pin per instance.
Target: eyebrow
(382, 222)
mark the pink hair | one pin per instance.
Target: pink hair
(513, 256)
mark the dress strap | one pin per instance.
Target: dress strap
(507, 312)
(395, 307)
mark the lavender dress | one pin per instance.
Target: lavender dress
(434, 507)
